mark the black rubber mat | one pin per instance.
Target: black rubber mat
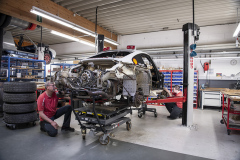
(119, 150)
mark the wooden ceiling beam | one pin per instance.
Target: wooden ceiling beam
(21, 9)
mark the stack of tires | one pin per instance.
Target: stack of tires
(19, 103)
(1, 100)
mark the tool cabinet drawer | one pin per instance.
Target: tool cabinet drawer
(216, 95)
(212, 102)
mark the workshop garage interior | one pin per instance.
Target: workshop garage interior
(119, 79)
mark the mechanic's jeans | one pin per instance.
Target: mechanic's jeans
(173, 110)
(66, 110)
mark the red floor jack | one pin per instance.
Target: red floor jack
(144, 108)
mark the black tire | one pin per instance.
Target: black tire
(84, 131)
(128, 125)
(140, 115)
(228, 131)
(19, 87)
(19, 98)
(1, 97)
(221, 121)
(11, 126)
(20, 118)
(47, 58)
(83, 137)
(103, 142)
(19, 108)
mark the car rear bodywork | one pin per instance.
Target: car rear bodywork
(125, 73)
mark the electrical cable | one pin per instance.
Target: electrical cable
(201, 64)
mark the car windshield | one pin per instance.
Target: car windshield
(115, 54)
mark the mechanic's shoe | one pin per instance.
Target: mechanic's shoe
(170, 118)
(68, 129)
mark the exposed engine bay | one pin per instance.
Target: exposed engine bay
(107, 80)
(121, 76)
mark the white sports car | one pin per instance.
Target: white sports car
(127, 73)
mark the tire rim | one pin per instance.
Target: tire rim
(47, 58)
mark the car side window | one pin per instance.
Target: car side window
(153, 69)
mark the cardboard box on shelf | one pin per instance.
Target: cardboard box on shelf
(76, 62)
(24, 64)
(56, 69)
(30, 77)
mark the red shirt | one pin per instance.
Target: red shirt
(179, 104)
(47, 104)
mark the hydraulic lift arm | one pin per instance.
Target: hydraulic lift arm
(168, 100)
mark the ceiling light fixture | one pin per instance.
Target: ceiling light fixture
(72, 38)
(110, 41)
(66, 23)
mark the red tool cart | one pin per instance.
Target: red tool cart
(175, 77)
(229, 109)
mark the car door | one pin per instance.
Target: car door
(157, 77)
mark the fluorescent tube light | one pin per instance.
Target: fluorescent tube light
(87, 43)
(237, 30)
(72, 38)
(65, 36)
(110, 41)
(51, 18)
(9, 43)
(83, 31)
(66, 23)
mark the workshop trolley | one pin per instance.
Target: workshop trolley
(232, 107)
(101, 117)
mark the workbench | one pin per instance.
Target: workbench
(230, 108)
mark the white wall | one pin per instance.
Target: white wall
(219, 34)
(72, 48)
(209, 35)
(217, 66)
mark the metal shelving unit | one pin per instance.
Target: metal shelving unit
(14, 66)
(175, 77)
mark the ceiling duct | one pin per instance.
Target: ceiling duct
(22, 24)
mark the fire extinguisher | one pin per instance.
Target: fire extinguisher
(206, 66)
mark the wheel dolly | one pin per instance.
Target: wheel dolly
(101, 118)
(144, 108)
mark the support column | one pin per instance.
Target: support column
(4, 22)
(188, 73)
(100, 42)
(1, 45)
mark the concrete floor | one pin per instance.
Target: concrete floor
(150, 138)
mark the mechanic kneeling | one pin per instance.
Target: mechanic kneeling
(175, 109)
(47, 107)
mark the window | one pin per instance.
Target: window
(111, 55)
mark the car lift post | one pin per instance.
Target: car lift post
(188, 72)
